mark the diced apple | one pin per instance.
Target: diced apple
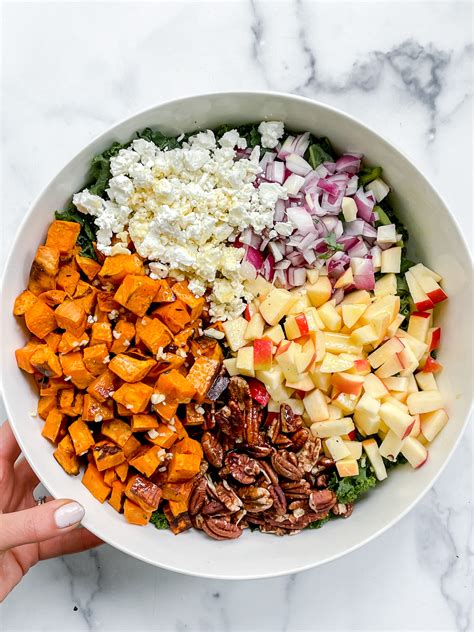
(415, 431)
(361, 297)
(348, 383)
(384, 353)
(304, 361)
(421, 270)
(364, 335)
(366, 423)
(355, 448)
(330, 317)
(424, 402)
(396, 383)
(346, 402)
(396, 402)
(332, 427)
(390, 446)
(415, 452)
(255, 327)
(316, 406)
(408, 361)
(287, 363)
(430, 365)
(271, 378)
(401, 397)
(426, 381)
(336, 448)
(334, 364)
(396, 419)
(352, 313)
(349, 209)
(391, 260)
(394, 325)
(276, 305)
(386, 285)
(319, 292)
(433, 338)
(340, 343)
(361, 367)
(314, 321)
(334, 412)
(303, 383)
(296, 405)
(374, 386)
(296, 326)
(302, 301)
(279, 393)
(262, 354)
(258, 286)
(235, 332)
(382, 305)
(421, 300)
(275, 334)
(312, 275)
(433, 422)
(417, 346)
(369, 405)
(320, 380)
(345, 279)
(412, 385)
(245, 362)
(428, 283)
(231, 366)
(418, 325)
(371, 449)
(391, 367)
(347, 467)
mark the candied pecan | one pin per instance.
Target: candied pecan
(228, 497)
(321, 481)
(213, 450)
(210, 418)
(242, 467)
(324, 463)
(273, 427)
(289, 421)
(298, 504)
(252, 425)
(322, 500)
(308, 456)
(198, 496)
(197, 521)
(299, 489)
(283, 466)
(259, 451)
(282, 441)
(298, 439)
(213, 508)
(266, 528)
(221, 529)
(222, 419)
(268, 472)
(343, 509)
(227, 442)
(255, 499)
(279, 499)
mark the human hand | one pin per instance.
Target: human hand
(31, 532)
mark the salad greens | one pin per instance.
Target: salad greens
(158, 519)
(249, 132)
(87, 235)
(317, 524)
(367, 174)
(320, 150)
(349, 488)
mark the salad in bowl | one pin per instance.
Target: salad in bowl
(226, 332)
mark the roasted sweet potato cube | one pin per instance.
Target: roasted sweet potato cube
(96, 411)
(23, 355)
(166, 362)
(178, 491)
(135, 514)
(123, 334)
(193, 416)
(66, 444)
(52, 297)
(106, 302)
(88, 266)
(44, 270)
(178, 524)
(106, 454)
(136, 293)
(135, 397)
(147, 458)
(153, 334)
(65, 399)
(187, 446)
(117, 431)
(143, 423)
(118, 493)
(40, 319)
(54, 427)
(101, 333)
(122, 470)
(131, 446)
(71, 316)
(46, 405)
(176, 387)
(143, 492)
(71, 342)
(63, 235)
(73, 405)
(73, 367)
(175, 315)
(51, 385)
(67, 460)
(52, 340)
(104, 386)
(23, 301)
(129, 368)
(180, 429)
(164, 293)
(86, 296)
(67, 279)
(163, 436)
(201, 376)
(44, 361)
(183, 467)
(166, 409)
(95, 358)
(116, 268)
(194, 303)
(81, 437)
(178, 507)
(181, 339)
(94, 481)
(110, 476)
(122, 411)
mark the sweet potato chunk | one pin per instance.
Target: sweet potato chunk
(122, 469)
(165, 436)
(135, 514)
(88, 266)
(23, 301)
(63, 235)
(166, 410)
(101, 334)
(117, 496)
(46, 405)
(116, 268)
(95, 358)
(70, 342)
(187, 446)
(174, 315)
(52, 340)
(117, 431)
(44, 361)
(143, 423)
(54, 427)
(67, 279)
(110, 476)
(81, 437)
(96, 411)
(40, 319)
(143, 492)
(183, 467)
(107, 454)
(52, 297)
(51, 385)
(153, 333)
(23, 355)
(130, 447)
(73, 367)
(71, 316)
(193, 417)
(44, 270)
(94, 481)
(176, 387)
(67, 460)
(136, 293)
(178, 507)
(178, 524)
(130, 369)
(178, 491)
(135, 397)
(106, 302)
(123, 334)
(146, 459)
(201, 376)
(104, 386)
(164, 293)
(70, 402)
(86, 296)
(184, 294)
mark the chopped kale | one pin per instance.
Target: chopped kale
(317, 524)
(387, 215)
(349, 488)
(160, 140)
(368, 174)
(333, 246)
(99, 172)
(88, 230)
(158, 518)
(320, 150)
(249, 132)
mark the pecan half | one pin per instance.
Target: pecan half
(256, 499)
(273, 427)
(259, 451)
(213, 450)
(221, 529)
(213, 508)
(228, 497)
(282, 441)
(283, 466)
(322, 500)
(252, 425)
(244, 469)
(279, 499)
(268, 472)
(298, 439)
(197, 497)
(308, 456)
(300, 489)
(343, 509)
(289, 421)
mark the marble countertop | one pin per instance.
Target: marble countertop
(69, 71)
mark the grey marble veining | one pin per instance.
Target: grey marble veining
(69, 71)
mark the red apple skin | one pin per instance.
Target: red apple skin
(432, 366)
(362, 367)
(425, 304)
(247, 313)
(262, 354)
(438, 295)
(352, 435)
(302, 323)
(346, 386)
(423, 462)
(435, 339)
(282, 347)
(409, 429)
(421, 314)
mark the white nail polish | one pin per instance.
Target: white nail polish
(68, 515)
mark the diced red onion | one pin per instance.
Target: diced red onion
(330, 166)
(301, 219)
(297, 164)
(368, 231)
(296, 276)
(349, 163)
(277, 250)
(363, 272)
(254, 257)
(275, 172)
(283, 265)
(330, 222)
(309, 256)
(280, 211)
(358, 250)
(354, 228)
(365, 204)
(331, 204)
(348, 242)
(294, 183)
(286, 148)
(249, 238)
(352, 185)
(268, 157)
(268, 268)
(376, 257)
(280, 279)
(338, 295)
(329, 187)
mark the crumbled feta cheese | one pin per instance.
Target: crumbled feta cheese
(67, 378)
(98, 418)
(153, 434)
(113, 315)
(106, 359)
(90, 319)
(200, 410)
(33, 413)
(116, 334)
(271, 132)
(284, 228)
(181, 353)
(157, 398)
(214, 333)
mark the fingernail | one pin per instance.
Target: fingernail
(68, 515)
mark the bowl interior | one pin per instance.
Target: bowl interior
(435, 240)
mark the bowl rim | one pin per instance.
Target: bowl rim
(242, 93)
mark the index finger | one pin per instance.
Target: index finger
(9, 448)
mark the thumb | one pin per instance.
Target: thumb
(39, 523)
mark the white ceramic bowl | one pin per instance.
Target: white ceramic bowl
(435, 239)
